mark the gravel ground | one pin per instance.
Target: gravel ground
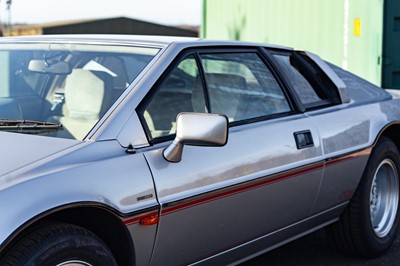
(315, 249)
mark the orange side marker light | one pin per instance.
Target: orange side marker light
(149, 220)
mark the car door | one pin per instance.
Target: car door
(265, 178)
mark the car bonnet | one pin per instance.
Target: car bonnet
(20, 150)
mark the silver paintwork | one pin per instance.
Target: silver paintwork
(258, 191)
(384, 198)
(197, 129)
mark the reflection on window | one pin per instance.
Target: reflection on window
(241, 86)
(180, 91)
(299, 83)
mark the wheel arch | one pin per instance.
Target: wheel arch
(391, 131)
(95, 218)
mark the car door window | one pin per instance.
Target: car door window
(241, 86)
(173, 95)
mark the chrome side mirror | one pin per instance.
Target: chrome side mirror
(197, 129)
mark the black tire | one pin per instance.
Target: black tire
(56, 243)
(363, 230)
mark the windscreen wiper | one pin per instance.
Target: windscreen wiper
(27, 126)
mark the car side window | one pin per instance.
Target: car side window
(241, 86)
(173, 95)
(308, 82)
(300, 84)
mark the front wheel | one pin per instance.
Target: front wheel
(58, 244)
(369, 225)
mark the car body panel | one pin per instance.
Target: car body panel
(33, 148)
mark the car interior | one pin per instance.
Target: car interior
(74, 94)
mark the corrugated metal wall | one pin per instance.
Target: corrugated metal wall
(365, 51)
(347, 33)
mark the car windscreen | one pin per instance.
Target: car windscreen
(63, 89)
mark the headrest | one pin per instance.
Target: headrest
(84, 94)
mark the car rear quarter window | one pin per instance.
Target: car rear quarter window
(308, 82)
(303, 88)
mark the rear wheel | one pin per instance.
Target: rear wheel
(59, 244)
(369, 225)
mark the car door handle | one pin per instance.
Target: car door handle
(303, 139)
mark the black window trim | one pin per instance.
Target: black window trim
(203, 81)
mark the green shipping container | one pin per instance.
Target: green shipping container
(362, 36)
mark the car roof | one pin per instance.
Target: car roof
(160, 41)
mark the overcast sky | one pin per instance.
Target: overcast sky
(169, 12)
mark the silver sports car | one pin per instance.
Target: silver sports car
(133, 150)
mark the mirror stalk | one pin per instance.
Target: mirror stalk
(173, 153)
